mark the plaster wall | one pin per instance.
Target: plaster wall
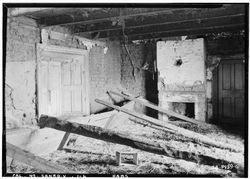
(20, 91)
(182, 76)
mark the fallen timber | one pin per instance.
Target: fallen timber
(125, 139)
(34, 161)
(187, 133)
(153, 106)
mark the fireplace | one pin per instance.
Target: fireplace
(181, 80)
(186, 109)
(191, 105)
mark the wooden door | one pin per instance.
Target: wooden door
(62, 81)
(231, 85)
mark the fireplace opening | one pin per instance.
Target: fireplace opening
(186, 109)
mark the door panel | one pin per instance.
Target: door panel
(73, 87)
(43, 87)
(54, 88)
(231, 91)
(66, 73)
(66, 101)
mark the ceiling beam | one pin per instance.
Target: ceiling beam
(191, 31)
(100, 16)
(180, 15)
(204, 23)
(106, 14)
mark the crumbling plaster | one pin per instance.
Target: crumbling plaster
(105, 74)
(104, 63)
(133, 82)
(182, 75)
(20, 77)
(20, 91)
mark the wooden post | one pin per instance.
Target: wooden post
(125, 139)
(135, 158)
(118, 158)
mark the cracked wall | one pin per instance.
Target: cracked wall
(105, 74)
(212, 62)
(132, 74)
(20, 77)
(20, 91)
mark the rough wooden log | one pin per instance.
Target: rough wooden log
(33, 161)
(190, 134)
(125, 139)
(153, 106)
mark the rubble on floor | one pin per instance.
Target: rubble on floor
(91, 156)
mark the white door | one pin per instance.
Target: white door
(62, 81)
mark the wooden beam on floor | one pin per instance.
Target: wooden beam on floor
(33, 161)
(128, 140)
(153, 106)
(187, 133)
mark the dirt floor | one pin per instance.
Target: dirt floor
(91, 156)
(85, 155)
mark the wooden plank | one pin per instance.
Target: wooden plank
(64, 140)
(33, 161)
(148, 124)
(187, 133)
(153, 106)
(128, 140)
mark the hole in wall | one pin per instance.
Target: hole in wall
(186, 109)
(178, 62)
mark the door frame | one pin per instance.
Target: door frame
(215, 86)
(67, 51)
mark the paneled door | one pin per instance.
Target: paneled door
(62, 81)
(231, 85)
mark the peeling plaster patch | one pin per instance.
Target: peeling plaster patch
(9, 95)
(182, 76)
(192, 67)
(212, 62)
(105, 50)
(49, 35)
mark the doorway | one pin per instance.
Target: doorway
(62, 81)
(229, 88)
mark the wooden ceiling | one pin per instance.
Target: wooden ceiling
(136, 23)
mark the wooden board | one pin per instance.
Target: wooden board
(153, 106)
(128, 140)
(33, 161)
(178, 130)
